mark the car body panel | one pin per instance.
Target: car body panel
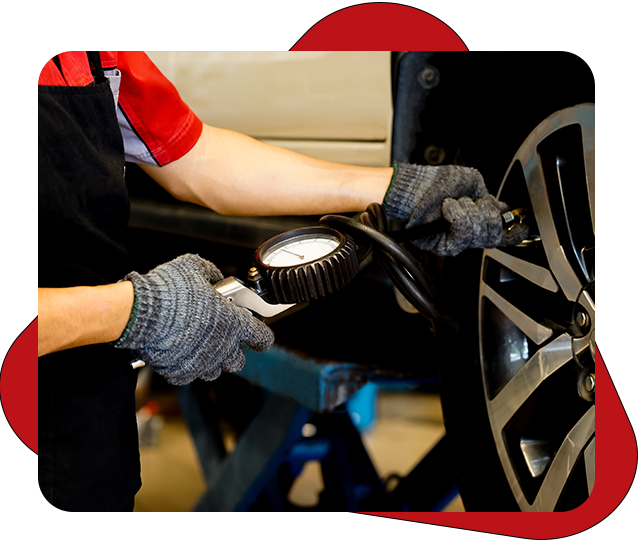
(331, 105)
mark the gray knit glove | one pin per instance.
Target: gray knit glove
(182, 327)
(421, 194)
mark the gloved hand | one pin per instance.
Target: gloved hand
(421, 194)
(182, 327)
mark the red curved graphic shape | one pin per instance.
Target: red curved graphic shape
(19, 386)
(380, 26)
(615, 465)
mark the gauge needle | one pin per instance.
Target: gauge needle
(293, 253)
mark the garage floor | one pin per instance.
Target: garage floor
(408, 425)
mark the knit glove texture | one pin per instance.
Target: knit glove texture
(421, 194)
(183, 328)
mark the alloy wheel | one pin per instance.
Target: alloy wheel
(537, 318)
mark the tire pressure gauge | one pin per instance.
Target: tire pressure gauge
(291, 269)
(306, 263)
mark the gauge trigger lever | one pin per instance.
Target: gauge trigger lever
(246, 297)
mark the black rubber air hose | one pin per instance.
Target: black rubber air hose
(404, 271)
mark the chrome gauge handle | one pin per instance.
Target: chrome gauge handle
(246, 297)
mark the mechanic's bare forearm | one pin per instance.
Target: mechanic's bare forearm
(235, 174)
(70, 317)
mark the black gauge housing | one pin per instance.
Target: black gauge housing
(311, 280)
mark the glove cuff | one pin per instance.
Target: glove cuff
(118, 343)
(391, 184)
(407, 186)
(148, 301)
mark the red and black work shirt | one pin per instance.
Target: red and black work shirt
(157, 126)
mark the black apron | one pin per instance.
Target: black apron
(88, 456)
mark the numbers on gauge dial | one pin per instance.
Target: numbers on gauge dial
(299, 250)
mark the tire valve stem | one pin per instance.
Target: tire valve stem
(515, 216)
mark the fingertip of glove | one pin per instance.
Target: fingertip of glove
(182, 380)
(264, 341)
(214, 374)
(255, 333)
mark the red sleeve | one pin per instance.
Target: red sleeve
(153, 107)
(74, 71)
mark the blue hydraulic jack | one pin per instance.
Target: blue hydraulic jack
(272, 450)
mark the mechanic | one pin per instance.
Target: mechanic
(95, 313)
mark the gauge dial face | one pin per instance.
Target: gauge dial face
(299, 250)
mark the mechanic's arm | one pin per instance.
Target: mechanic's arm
(70, 317)
(237, 175)
(234, 174)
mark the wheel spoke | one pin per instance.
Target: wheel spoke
(533, 330)
(539, 367)
(534, 273)
(588, 135)
(564, 461)
(560, 266)
(589, 459)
